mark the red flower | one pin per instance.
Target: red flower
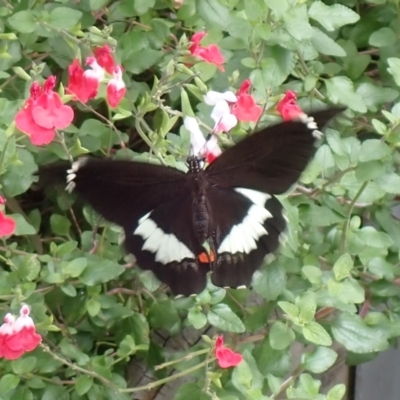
(2, 200)
(105, 58)
(226, 357)
(43, 112)
(83, 87)
(245, 108)
(18, 336)
(116, 88)
(288, 107)
(25, 122)
(7, 224)
(210, 53)
(50, 112)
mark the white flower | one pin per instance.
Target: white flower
(221, 113)
(209, 149)
(211, 97)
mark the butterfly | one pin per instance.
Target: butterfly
(222, 219)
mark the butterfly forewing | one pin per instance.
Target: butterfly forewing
(272, 159)
(124, 191)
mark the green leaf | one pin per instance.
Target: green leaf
(23, 365)
(242, 376)
(337, 392)
(249, 62)
(276, 362)
(374, 149)
(290, 309)
(394, 69)
(383, 37)
(299, 29)
(196, 318)
(280, 336)
(72, 351)
(351, 292)
(213, 12)
(93, 307)
(353, 333)
(55, 392)
(127, 346)
(315, 333)
(390, 182)
(222, 317)
(100, 271)
(64, 17)
(320, 360)
(326, 45)
(370, 170)
(8, 382)
(332, 17)
(142, 6)
(22, 226)
(142, 60)
(23, 21)
(191, 391)
(312, 273)
(255, 10)
(343, 267)
(19, 177)
(75, 268)
(340, 90)
(281, 65)
(315, 215)
(239, 28)
(310, 385)
(164, 315)
(96, 5)
(60, 225)
(270, 281)
(307, 304)
(373, 238)
(69, 289)
(83, 384)
(379, 126)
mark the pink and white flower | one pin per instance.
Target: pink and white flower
(18, 336)
(207, 148)
(229, 108)
(116, 88)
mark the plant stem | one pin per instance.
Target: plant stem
(347, 223)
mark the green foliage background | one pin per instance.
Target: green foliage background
(336, 279)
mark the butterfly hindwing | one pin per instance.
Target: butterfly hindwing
(165, 242)
(247, 230)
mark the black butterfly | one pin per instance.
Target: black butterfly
(168, 216)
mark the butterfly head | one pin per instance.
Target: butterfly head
(195, 163)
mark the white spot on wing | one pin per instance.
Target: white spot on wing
(243, 237)
(71, 173)
(166, 247)
(311, 124)
(255, 196)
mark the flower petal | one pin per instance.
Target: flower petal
(105, 58)
(197, 139)
(7, 225)
(212, 97)
(228, 358)
(246, 109)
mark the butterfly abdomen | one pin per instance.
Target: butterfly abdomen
(201, 218)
